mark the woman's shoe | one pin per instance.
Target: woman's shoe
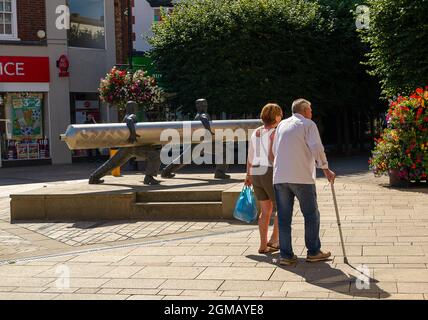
(274, 245)
(267, 250)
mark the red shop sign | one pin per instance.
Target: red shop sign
(24, 69)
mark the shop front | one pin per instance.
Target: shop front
(24, 97)
(86, 109)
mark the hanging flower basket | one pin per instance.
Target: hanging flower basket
(119, 87)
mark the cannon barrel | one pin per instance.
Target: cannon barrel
(114, 135)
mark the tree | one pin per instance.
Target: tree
(398, 39)
(349, 94)
(241, 54)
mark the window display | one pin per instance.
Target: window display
(26, 116)
(25, 139)
(85, 108)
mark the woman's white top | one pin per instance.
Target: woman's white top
(259, 146)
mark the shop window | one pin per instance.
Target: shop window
(24, 139)
(3, 120)
(8, 20)
(87, 27)
(85, 109)
(83, 105)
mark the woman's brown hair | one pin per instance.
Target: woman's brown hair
(270, 112)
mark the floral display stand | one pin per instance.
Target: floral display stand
(402, 149)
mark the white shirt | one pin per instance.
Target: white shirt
(258, 154)
(298, 149)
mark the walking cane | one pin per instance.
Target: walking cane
(345, 259)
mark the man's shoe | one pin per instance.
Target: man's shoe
(94, 180)
(168, 175)
(150, 181)
(222, 176)
(287, 261)
(322, 256)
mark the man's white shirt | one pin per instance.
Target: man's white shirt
(298, 150)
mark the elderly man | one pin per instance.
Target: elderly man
(298, 149)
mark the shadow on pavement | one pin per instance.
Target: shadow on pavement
(163, 187)
(45, 174)
(77, 171)
(85, 225)
(80, 171)
(323, 275)
(421, 187)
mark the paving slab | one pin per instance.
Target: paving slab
(386, 231)
(215, 273)
(169, 273)
(192, 284)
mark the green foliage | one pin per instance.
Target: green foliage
(346, 84)
(398, 38)
(241, 54)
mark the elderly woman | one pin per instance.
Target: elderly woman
(260, 174)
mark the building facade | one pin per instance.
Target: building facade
(50, 73)
(146, 13)
(122, 32)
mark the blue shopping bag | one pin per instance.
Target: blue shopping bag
(246, 208)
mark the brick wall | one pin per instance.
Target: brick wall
(31, 18)
(121, 26)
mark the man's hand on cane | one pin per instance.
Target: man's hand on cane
(330, 175)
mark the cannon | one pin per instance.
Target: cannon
(115, 135)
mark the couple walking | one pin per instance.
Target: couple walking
(282, 161)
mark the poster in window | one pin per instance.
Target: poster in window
(22, 151)
(33, 151)
(27, 117)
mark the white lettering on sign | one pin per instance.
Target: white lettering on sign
(12, 69)
(63, 19)
(20, 69)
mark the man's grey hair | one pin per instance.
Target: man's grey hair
(300, 105)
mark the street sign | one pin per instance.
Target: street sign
(145, 63)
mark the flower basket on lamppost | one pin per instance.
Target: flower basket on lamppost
(402, 149)
(119, 87)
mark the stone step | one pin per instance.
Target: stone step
(195, 210)
(180, 196)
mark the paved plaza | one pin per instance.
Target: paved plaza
(385, 230)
